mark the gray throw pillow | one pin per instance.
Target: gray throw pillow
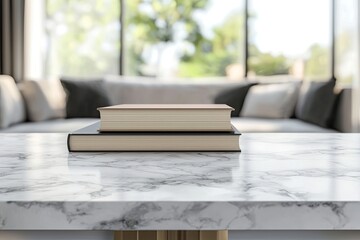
(271, 100)
(44, 99)
(12, 107)
(316, 102)
(234, 97)
(84, 97)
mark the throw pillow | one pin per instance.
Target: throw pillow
(316, 102)
(43, 99)
(84, 97)
(271, 100)
(234, 97)
(12, 107)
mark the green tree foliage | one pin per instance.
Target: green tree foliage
(158, 21)
(212, 56)
(266, 64)
(317, 65)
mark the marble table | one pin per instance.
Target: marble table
(278, 181)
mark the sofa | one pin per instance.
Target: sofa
(133, 90)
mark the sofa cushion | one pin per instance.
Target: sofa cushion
(84, 97)
(248, 125)
(271, 100)
(316, 102)
(43, 99)
(51, 126)
(12, 107)
(234, 97)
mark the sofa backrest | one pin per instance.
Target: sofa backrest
(139, 90)
(126, 91)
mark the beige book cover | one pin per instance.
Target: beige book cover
(89, 139)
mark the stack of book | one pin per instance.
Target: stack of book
(166, 127)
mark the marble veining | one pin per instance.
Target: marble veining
(278, 181)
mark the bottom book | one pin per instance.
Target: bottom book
(89, 139)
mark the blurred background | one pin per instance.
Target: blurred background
(226, 43)
(196, 39)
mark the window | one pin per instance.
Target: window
(193, 39)
(185, 38)
(82, 37)
(290, 37)
(346, 41)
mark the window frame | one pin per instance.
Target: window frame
(246, 29)
(246, 37)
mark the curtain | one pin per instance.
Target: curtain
(12, 38)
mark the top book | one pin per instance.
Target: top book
(166, 117)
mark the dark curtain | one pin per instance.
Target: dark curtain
(12, 38)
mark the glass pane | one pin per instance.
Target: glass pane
(172, 38)
(83, 37)
(290, 37)
(346, 41)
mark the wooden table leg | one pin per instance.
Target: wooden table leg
(223, 235)
(126, 235)
(171, 235)
(192, 235)
(213, 235)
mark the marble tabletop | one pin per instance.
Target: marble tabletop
(278, 181)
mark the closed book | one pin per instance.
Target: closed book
(166, 117)
(89, 139)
